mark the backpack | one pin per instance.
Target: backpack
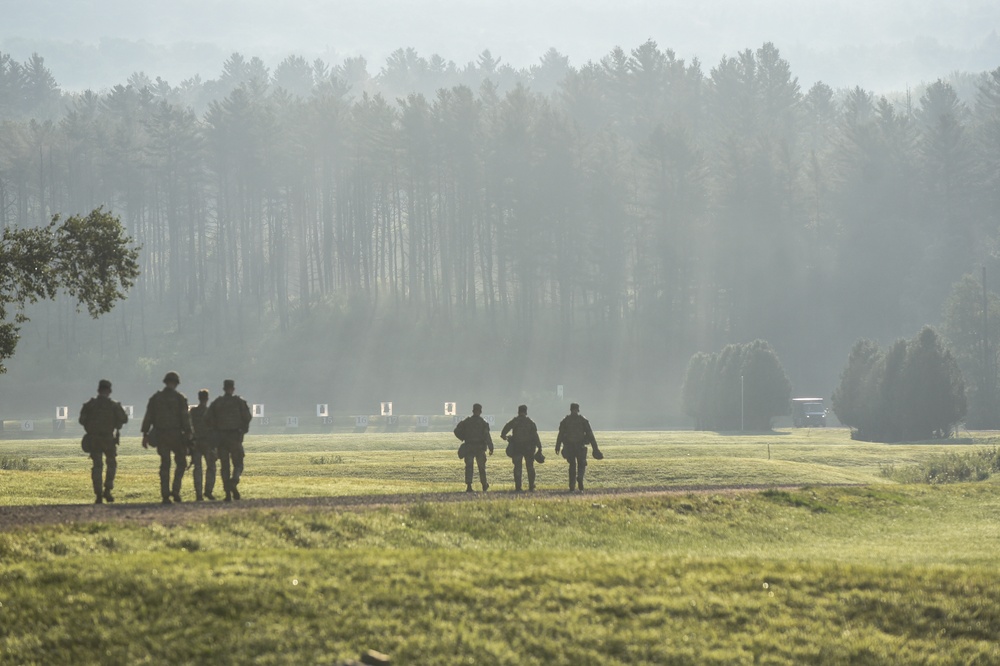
(575, 432)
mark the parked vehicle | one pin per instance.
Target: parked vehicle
(808, 413)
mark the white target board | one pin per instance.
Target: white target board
(386, 409)
(291, 422)
(490, 419)
(322, 411)
(258, 410)
(62, 413)
(360, 421)
(27, 426)
(559, 391)
(129, 410)
(450, 409)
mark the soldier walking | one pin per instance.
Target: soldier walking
(474, 432)
(523, 444)
(229, 416)
(204, 449)
(574, 435)
(102, 418)
(167, 426)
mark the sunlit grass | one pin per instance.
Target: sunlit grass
(832, 575)
(376, 463)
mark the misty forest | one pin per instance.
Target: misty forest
(432, 232)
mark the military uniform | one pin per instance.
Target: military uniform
(167, 425)
(522, 444)
(229, 416)
(574, 435)
(101, 418)
(474, 432)
(204, 451)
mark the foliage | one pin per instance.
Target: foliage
(744, 386)
(912, 392)
(15, 463)
(964, 325)
(949, 467)
(90, 258)
(642, 204)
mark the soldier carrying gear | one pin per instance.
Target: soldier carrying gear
(474, 432)
(229, 417)
(167, 426)
(102, 418)
(523, 444)
(574, 435)
(203, 448)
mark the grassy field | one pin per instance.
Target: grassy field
(878, 573)
(374, 463)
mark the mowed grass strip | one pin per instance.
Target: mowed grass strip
(900, 574)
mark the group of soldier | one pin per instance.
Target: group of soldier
(204, 434)
(524, 446)
(207, 433)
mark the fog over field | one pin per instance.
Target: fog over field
(432, 201)
(878, 45)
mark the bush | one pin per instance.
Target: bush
(948, 468)
(914, 391)
(744, 385)
(18, 464)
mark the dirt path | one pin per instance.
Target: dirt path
(14, 517)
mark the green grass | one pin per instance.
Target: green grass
(376, 463)
(878, 573)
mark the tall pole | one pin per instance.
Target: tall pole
(741, 403)
(987, 387)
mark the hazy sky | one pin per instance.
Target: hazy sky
(878, 44)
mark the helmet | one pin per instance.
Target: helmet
(228, 383)
(539, 457)
(104, 385)
(172, 377)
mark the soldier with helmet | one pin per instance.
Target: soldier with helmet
(574, 435)
(167, 427)
(229, 416)
(102, 418)
(474, 432)
(203, 449)
(523, 444)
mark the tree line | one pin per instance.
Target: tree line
(595, 224)
(910, 392)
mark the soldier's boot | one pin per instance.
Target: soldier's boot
(98, 500)
(531, 479)
(579, 481)
(210, 496)
(229, 497)
(572, 481)
(176, 497)
(108, 497)
(198, 497)
(482, 481)
(236, 492)
(166, 500)
(468, 488)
